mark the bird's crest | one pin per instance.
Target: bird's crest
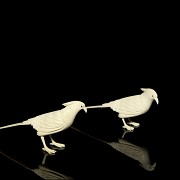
(148, 89)
(144, 89)
(69, 103)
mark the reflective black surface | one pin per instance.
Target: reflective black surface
(83, 158)
(96, 147)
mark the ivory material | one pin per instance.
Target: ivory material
(53, 122)
(131, 106)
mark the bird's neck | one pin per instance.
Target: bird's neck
(69, 114)
(146, 100)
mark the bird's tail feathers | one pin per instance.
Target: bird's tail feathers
(16, 124)
(99, 106)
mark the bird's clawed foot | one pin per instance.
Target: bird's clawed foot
(59, 145)
(49, 151)
(129, 128)
(134, 124)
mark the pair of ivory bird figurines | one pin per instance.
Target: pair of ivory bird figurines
(56, 121)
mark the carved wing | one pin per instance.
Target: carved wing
(48, 123)
(128, 107)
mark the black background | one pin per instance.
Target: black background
(47, 63)
(84, 158)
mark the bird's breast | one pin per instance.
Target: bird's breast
(68, 118)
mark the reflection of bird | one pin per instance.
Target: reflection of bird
(47, 173)
(132, 106)
(129, 149)
(135, 152)
(53, 122)
(44, 171)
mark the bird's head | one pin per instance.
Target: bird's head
(76, 104)
(151, 94)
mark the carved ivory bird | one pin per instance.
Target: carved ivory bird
(53, 122)
(132, 106)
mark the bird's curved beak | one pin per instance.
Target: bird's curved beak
(85, 109)
(157, 100)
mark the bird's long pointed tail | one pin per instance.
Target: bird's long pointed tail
(91, 107)
(105, 105)
(16, 124)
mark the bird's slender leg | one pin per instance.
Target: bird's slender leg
(133, 123)
(55, 143)
(129, 128)
(50, 151)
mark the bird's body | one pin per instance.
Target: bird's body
(129, 106)
(53, 122)
(132, 106)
